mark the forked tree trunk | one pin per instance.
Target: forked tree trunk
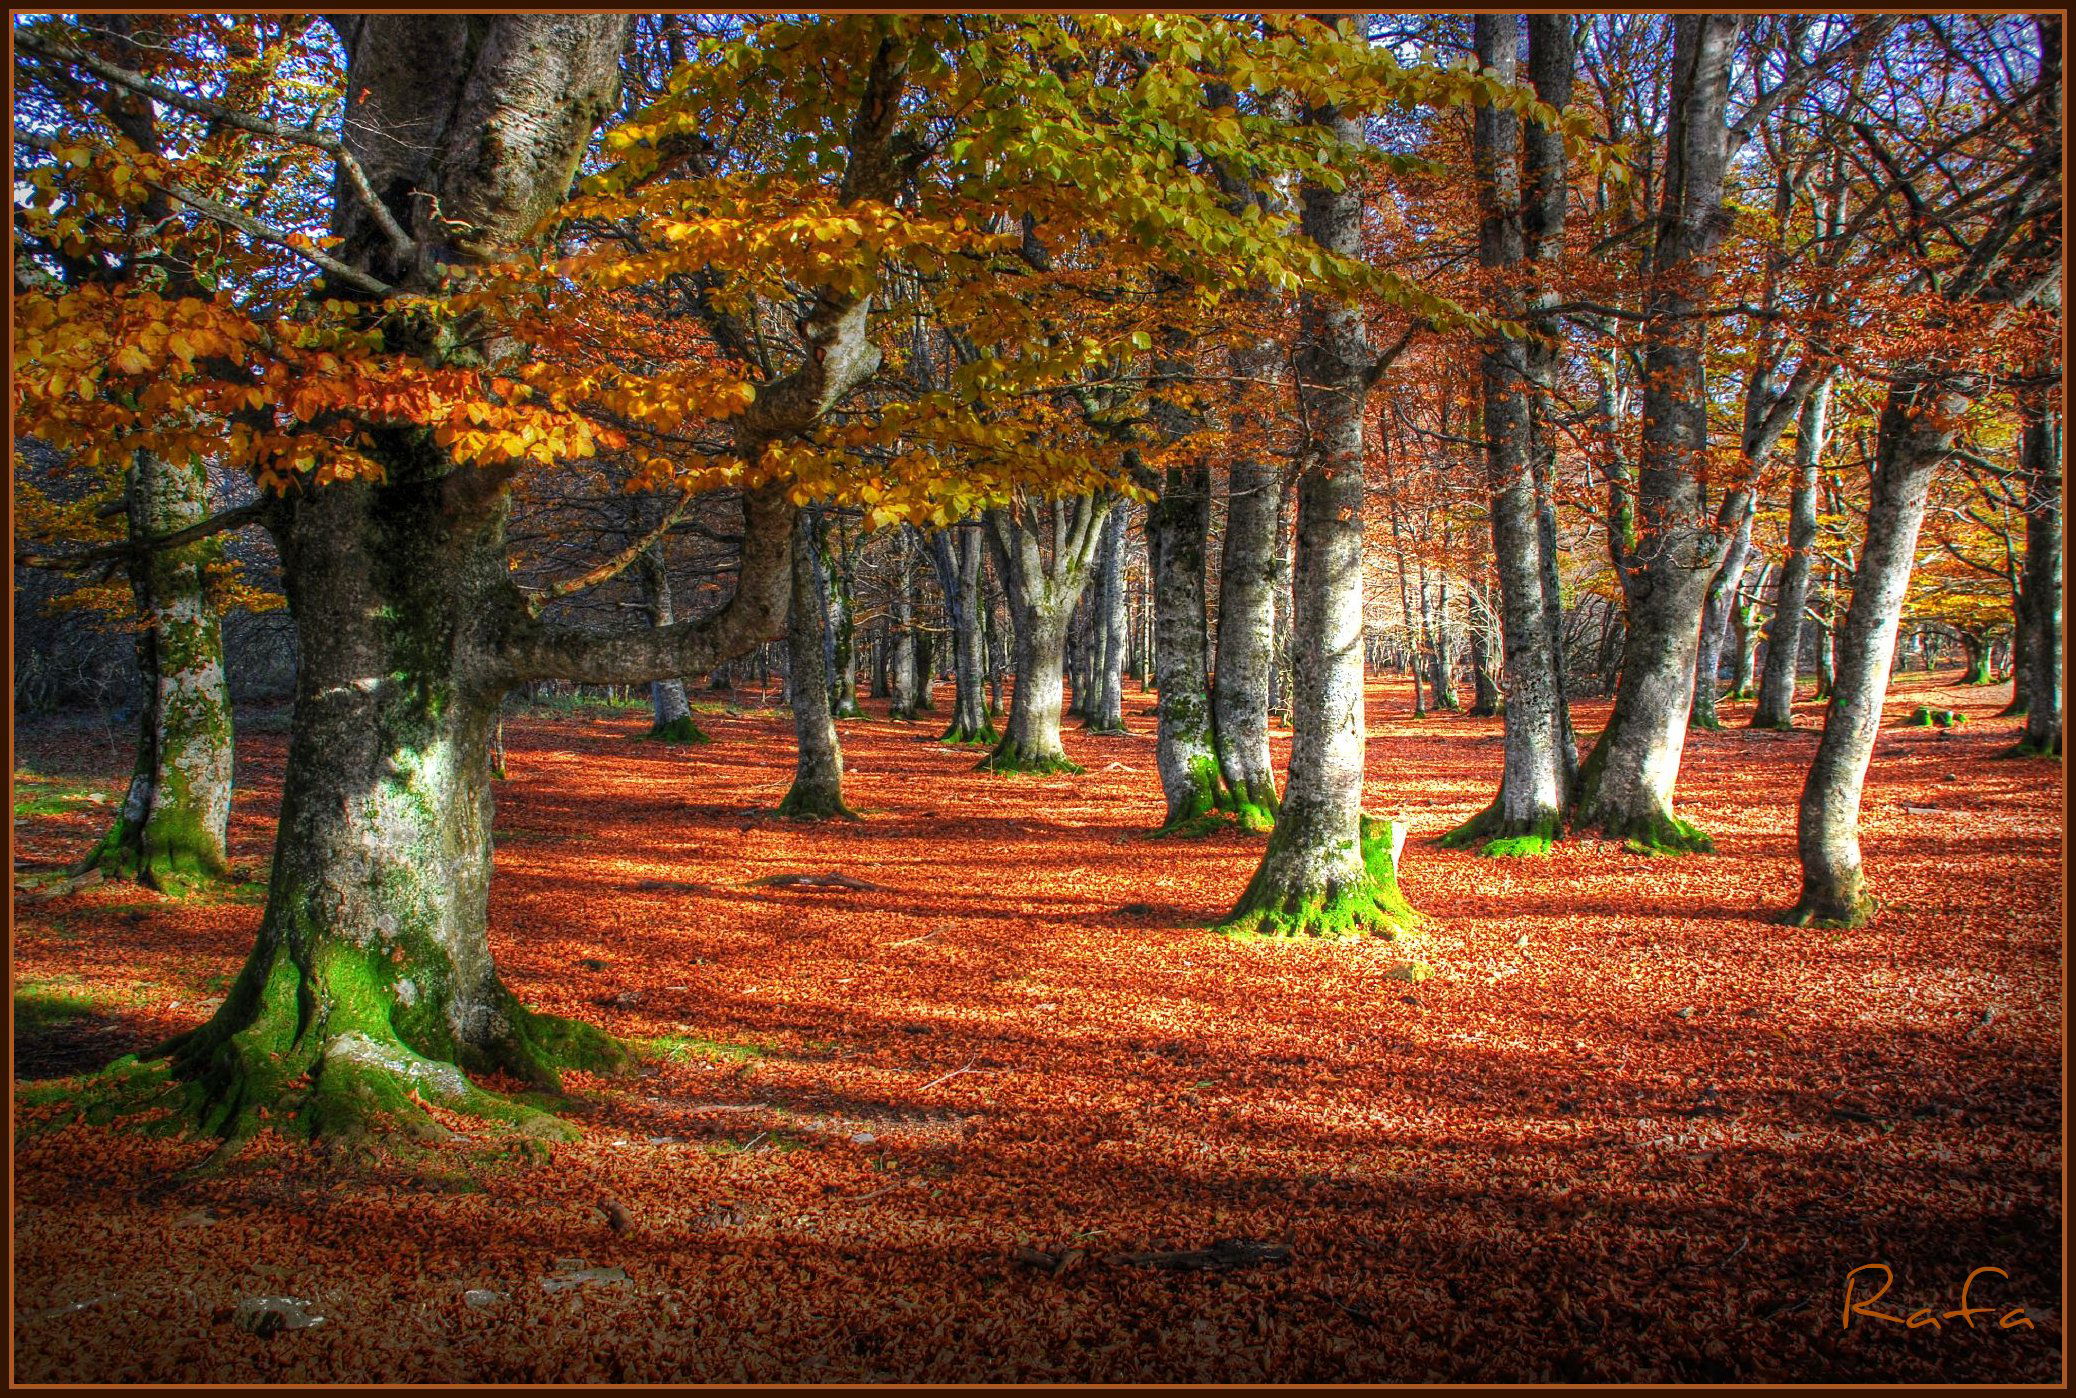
(1744, 621)
(673, 715)
(1041, 592)
(1326, 870)
(1791, 595)
(1716, 608)
(956, 555)
(1240, 689)
(172, 830)
(1911, 444)
(817, 790)
(1177, 528)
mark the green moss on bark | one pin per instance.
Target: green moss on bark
(678, 730)
(1371, 906)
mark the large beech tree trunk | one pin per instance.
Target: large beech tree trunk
(1245, 676)
(1042, 586)
(1325, 869)
(1177, 529)
(1775, 708)
(817, 790)
(1910, 446)
(172, 829)
(371, 985)
(1625, 786)
(956, 554)
(1535, 780)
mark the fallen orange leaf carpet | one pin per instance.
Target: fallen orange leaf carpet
(1631, 1129)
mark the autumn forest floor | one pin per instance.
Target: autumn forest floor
(1631, 1128)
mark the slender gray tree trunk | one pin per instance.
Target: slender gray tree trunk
(841, 650)
(900, 653)
(1107, 603)
(673, 715)
(1744, 620)
(1326, 871)
(1534, 782)
(1723, 591)
(1909, 448)
(956, 554)
(172, 831)
(817, 790)
(1791, 595)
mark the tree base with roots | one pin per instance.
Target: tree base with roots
(848, 708)
(1107, 730)
(1659, 832)
(1294, 899)
(1007, 759)
(678, 730)
(328, 1057)
(161, 856)
(1780, 725)
(1503, 839)
(815, 805)
(2030, 747)
(1830, 913)
(984, 736)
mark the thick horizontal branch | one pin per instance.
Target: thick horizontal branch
(534, 650)
(619, 563)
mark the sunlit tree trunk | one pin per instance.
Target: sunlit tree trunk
(1744, 622)
(172, 829)
(1105, 710)
(1723, 591)
(900, 661)
(1245, 675)
(1326, 870)
(1042, 585)
(1911, 444)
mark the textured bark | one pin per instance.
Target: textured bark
(2040, 463)
(1042, 586)
(1325, 870)
(1245, 675)
(817, 790)
(840, 649)
(1105, 710)
(1910, 445)
(1791, 595)
(171, 831)
(901, 662)
(371, 985)
(956, 555)
(1535, 780)
(1177, 530)
(1744, 622)
(1625, 786)
(1484, 688)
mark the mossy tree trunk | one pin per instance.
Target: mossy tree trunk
(1744, 623)
(1177, 528)
(956, 554)
(1323, 870)
(1043, 580)
(1914, 436)
(1776, 702)
(817, 790)
(1244, 678)
(172, 829)
(371, 987)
